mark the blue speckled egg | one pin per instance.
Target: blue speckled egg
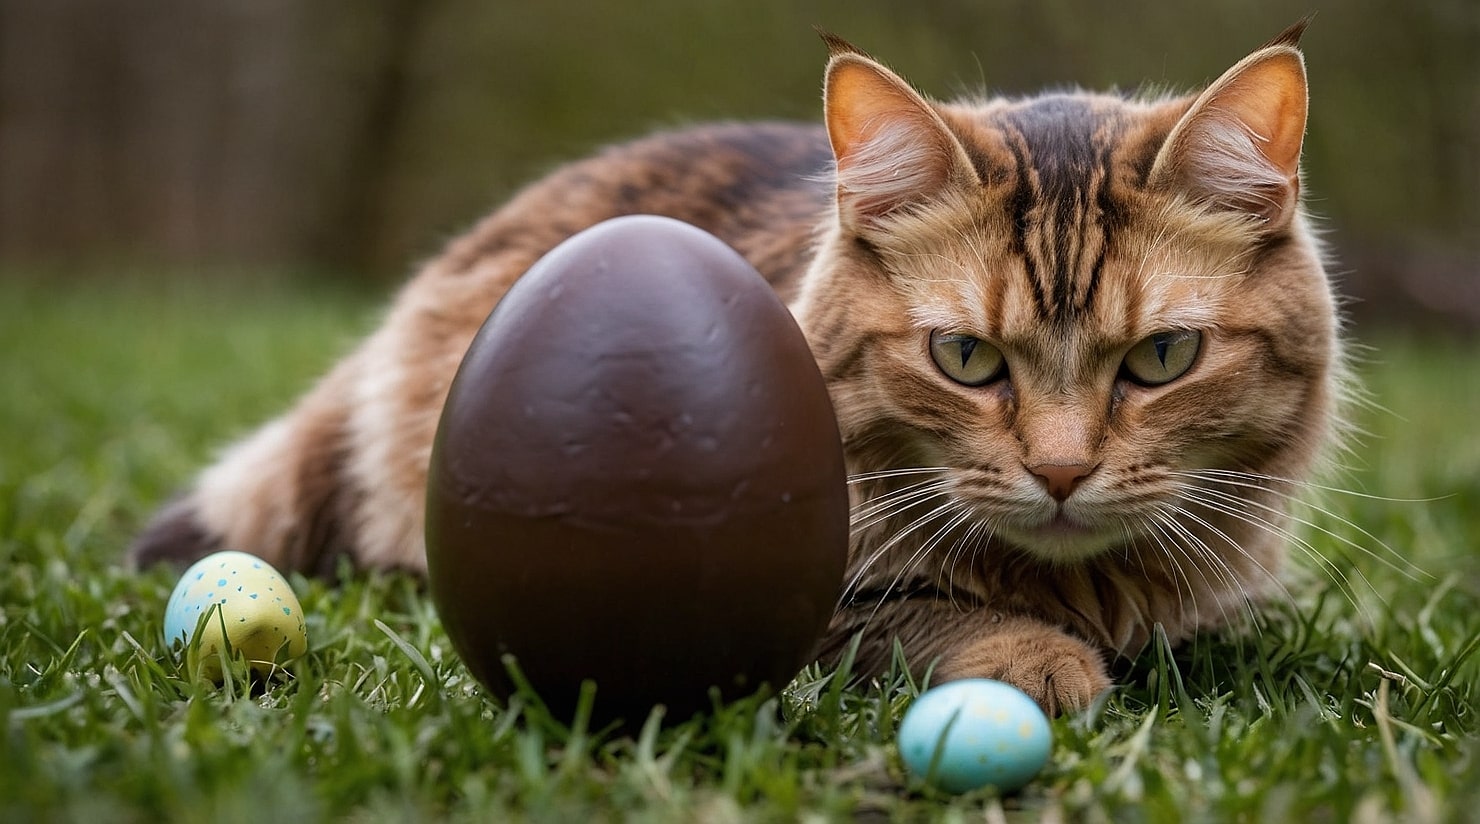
(258, 613)
(975, 733)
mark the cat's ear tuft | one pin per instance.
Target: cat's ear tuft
(1238, 145)
(1291, 36)
(838, 46)
(892, 149)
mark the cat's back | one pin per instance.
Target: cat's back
(760, 187)
(344, 472)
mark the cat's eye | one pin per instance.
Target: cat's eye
(1163, 357)
(965, 359)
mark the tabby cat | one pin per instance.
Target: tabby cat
(1078, 344)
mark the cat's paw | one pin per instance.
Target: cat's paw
(1060, 672)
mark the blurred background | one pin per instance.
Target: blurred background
(348, 139)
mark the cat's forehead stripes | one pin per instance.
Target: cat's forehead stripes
(1059, 263)
(1063, 211)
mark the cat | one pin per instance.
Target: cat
(1079, 346)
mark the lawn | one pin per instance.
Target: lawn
(1355, 700)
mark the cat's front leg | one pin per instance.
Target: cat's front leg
(1061, 672)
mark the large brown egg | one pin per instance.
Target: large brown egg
(637, 480)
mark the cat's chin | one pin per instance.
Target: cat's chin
(1061, 540)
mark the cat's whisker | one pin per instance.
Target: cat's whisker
(1203, 558)
(1134, 527)
(1214, 563)
(894, 503)
(892, 492)
(1227, 577)
(883, 474)
(852, 588)
(1157, 532)
(892, 542)
(947, 562)
(895, 500)
(1177, 518)
(1271, 483)
(1344, 540)
(962, 513)
(967, 540)
(1204, 562)
(1300, 501)
(1230, 505)
(1325, 565)
(1179, 512)
(989, 531)
(1252, 480)
(1228, 580)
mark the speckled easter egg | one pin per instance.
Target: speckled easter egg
(974, 733)
(258, 614)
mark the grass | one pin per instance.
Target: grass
(1353, 702)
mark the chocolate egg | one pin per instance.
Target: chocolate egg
(637, 479)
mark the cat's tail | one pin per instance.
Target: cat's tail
(281, 494)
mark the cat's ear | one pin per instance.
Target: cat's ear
(1238, 145)
(892, 149)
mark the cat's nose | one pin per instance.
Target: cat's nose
(1061, 479)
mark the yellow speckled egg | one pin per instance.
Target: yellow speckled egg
(256, 613)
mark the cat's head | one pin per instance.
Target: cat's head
(1070, 302)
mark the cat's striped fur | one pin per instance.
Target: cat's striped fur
(995, 290)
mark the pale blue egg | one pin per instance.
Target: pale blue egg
(975, 733)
